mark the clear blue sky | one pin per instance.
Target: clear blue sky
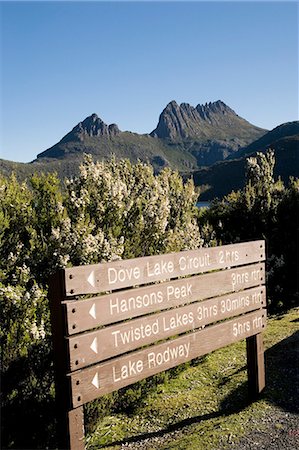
(62, 61)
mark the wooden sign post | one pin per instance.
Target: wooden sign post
(192, 302)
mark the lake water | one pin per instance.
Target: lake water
(203, 204)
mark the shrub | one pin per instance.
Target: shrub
(264, 209)
(112, 210)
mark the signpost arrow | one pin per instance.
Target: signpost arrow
(95, 381)
(94, 345)
(92, 311)
(91, 279)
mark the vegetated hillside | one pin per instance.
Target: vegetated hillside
(260, 145)
(95, 137)
(63, 168)
(210, 132)
(220, 179)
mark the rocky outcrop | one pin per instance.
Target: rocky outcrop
(92, 126)
(190, 137)
(90, 129)
(210, 121)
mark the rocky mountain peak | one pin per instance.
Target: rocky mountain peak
(94, 126)
(182, 122)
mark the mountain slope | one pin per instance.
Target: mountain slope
(283, 131)
(212, 121)
(101, 140)
(186, 138)
(223, 177)
(209, 132)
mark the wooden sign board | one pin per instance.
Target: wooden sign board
(154, 313)
(89, 348)
(132, 272)
(98, 380)
(83, 315)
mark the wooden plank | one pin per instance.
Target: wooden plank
(255, 365)
(91, 383)
(91, 279)
(76, 428)
(70, 424)
(83, 315)
(90, 348)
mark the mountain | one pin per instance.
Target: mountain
(209, 142)
(209, 132)
(91, 127)
(94, 136)
(223, 177)
(185, 138)
(212, 121)
(283, 131)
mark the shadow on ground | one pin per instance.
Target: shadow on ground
(28, 423)
(282, 384)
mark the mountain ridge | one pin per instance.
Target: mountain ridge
(204, 135)
(214, 155)
(214, 181)
(282, 131)
(211, 120)
(225, 176)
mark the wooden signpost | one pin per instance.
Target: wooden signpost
(191, 302)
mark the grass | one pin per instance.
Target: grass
(206, 406)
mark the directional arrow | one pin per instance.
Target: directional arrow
(92, 311)
(94, 345)
(95, 381)
(91, 279)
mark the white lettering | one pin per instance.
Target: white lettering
(241, 328)
(170, 353)
(177, 321)
(122, 275)
(239, 278)
(179, 292)
(194, 263)
(228, 257)
(206, 312)
(130, 369)
(229, 305)
(160, 268)
(123, 305)
(257, 322)
(134, 334)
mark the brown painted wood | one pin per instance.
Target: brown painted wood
(76, 428)
(90, 383)
(83, 315)
(105, 277)
(195, 318)
(69, 424)
(255, 365)
(90, 348)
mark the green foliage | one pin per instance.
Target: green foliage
(264, 209)
(111, 210)
(206, 407)
(117, 210)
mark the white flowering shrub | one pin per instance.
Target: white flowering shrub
(112, 210)
(24, 316)
(119, 210)
(264, 209)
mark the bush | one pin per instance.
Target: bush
(112, 210)
(264, 209)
